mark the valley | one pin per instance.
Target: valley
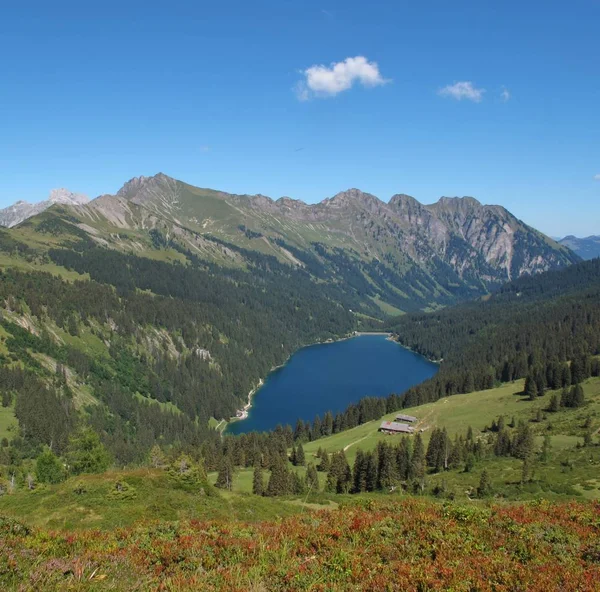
(133, 327)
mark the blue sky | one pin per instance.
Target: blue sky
(229, 95)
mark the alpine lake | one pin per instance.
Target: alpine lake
(331, 376)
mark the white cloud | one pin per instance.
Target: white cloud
(462, 90)
(505, 95)
(323, 81)
(596, 177)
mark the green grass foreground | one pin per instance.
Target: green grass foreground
(408, 545)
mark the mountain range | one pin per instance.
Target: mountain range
(586, 248)
(21, 210)
(396, 256)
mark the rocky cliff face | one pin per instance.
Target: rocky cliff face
(20, 211)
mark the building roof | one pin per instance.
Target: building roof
(409, 418)
(393, 426)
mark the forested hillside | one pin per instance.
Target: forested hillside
(548, 326)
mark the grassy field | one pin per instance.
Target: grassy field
(155, 498)
(8, 422)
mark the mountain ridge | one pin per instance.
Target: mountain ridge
(398, 256)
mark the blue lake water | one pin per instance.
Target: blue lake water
(331, 376)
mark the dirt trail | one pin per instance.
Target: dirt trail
(356, 442)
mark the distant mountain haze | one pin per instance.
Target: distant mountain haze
(20, 211)
(586, 248)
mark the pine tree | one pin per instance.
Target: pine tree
(577, 396)
(531, 388)
(469, 462)
(371, 472)
(527, 470)
(388, 476)
(403, 458)
(157, 457)
(417, 465)
(554, 404)
(359, 473)
(258, 486)
(48, 468)
(86, 454)
(225, 475)
(312, 478)
(279, 481)
(300, 457)
(293, 456)
(546, 446)
(523, 443)
(297, 485)
(484, 488)
(325, 462)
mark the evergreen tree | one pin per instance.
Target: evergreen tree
(577, 396)
(403, 453)
(157, 457)
(327, 428)
(417, 465)
(546, 446)
(388, 476)
(297, 485)
(258, 486)
(371, 472)
(325, 461)
(531, 388)
(293, 456)
(312, 478)
(554, 404)
(484, 488)
(48, 468)
(279, 481)
(523, 443)
(469, 462)
(359, 472)
(225, 475)
(86, 454)
(527, 470)
(300, 457)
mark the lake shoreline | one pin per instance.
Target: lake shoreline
(244, 412)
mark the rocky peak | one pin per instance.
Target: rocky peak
(137, 185)
(64, 196)
(352, 197)
(457, 203)
(22, 210)
(406, 204)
